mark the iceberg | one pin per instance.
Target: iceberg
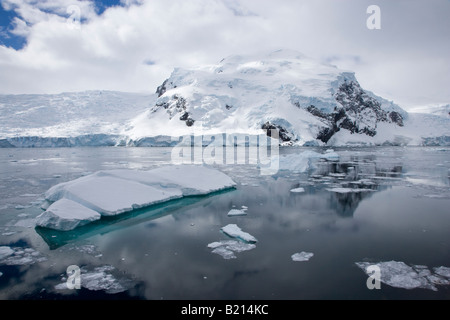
(112, 192)
(232, 230)
(302, 256)
(298, 190)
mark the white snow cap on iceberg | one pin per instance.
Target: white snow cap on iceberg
(113, 192)
(66, 215)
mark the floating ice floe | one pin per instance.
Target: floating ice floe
(297, 190)
(100, 279)
(302, 256)
(349, 190)
(234, 231)
(228, 248)
(400, 275)
(10, 233)
(112, 192)
(237, 212)
(5, 252)
(437, 196)
(18, 256)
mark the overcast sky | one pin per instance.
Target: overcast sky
(133, 45)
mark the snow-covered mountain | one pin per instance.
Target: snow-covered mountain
(308, 102)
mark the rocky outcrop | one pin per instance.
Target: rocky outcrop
(356, 111)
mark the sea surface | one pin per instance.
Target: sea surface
(373, 205)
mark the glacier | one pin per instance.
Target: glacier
(308, 102)
(112, 192)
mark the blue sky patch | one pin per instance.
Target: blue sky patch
(10, 40)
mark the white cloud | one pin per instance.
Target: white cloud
(135, 47)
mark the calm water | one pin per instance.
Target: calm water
(162, 252)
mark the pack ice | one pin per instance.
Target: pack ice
(112, 192)
(401, 275)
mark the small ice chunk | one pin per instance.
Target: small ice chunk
(21, 207)
(442, 271)
(5, 252)
(236, 212)
(298, 190)
(19, 256)
(227, 248)
(100, 279)
(66, 215)
(337, 175)
(400, 275)
(302, 256)
(225, 253)
(234, 231)
(348, 190)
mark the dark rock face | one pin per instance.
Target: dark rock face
(396, 118)
(283, 134)
(175, 106)
(359, 113)
(166, 85)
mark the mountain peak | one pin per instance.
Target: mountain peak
(308, 101)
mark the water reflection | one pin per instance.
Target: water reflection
(165, 249)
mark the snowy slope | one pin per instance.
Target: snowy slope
(442, 110)
(69, 114)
